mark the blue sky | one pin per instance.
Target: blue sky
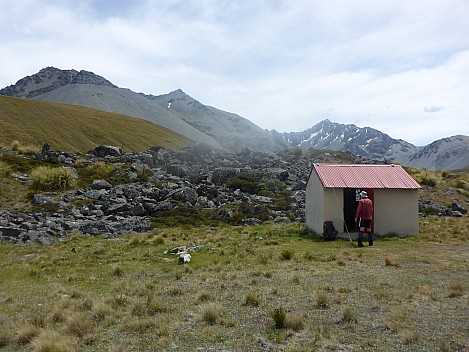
(398, 66)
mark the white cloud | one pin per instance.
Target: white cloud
(433, 108)
(282, 64)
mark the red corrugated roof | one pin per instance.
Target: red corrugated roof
(364, 176)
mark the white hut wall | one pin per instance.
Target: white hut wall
(396, 211)
(314, 211)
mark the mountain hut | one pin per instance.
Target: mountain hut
(332, 193)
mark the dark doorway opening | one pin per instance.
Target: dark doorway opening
(350, 208)
(351, 198)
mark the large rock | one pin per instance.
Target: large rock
(106, 150)
(101, 184)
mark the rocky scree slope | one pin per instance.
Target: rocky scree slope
(177, 186)
(192, 179)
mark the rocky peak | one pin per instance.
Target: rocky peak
(366, 141)
(51, 78)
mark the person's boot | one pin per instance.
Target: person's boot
(370, 239)
(360, 239)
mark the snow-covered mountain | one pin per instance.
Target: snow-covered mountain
(366, 142)
(445, 154)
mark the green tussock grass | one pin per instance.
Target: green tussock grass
(238, 292)
(27, 124)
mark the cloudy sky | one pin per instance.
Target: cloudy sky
(399, 66)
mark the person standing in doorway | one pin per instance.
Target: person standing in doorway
(364, 218)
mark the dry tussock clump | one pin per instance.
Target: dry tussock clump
(211, 313)
(322, 300)
(117, 271)
(151, 306)
(157, 240)
(137, 324)
(101, 311)
(155, 305)
(205, 296)
(295, 322)
(252, 300)
(455, 289)
(120, 300)
(388, 262)
(52, 341)
(26, 334)
(78, 325)
(349, 316)
(138, 309)
(57, 316)
(410, 337)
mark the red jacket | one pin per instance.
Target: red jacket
(365, 209)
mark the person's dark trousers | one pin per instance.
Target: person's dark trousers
(370, 239)
(360, 239)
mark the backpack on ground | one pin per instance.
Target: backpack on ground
(330, 233)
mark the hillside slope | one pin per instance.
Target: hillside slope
(85, 88)
(450, 153)
(79, 129)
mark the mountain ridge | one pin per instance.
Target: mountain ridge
(201, 123)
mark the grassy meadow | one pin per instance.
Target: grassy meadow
(78, 129)
(264, 288)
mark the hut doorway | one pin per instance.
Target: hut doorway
(351, 198)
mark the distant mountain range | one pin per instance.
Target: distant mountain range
(200, 123)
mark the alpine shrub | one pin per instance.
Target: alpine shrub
(53, 179)
(280, 318)
(244, 182)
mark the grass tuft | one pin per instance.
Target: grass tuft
(295, 323)
(138, 324)
(78, 325)
(51, 341)
(101, 310)
(388, 262)
(205, 297)
(280, 318)
(252, 300)
(455, 289)
(322, 300)
(27, 333)
(117, 271)
(287, 254)
(5, 169)
(211, 313)
(53, 179)
(349, 316)
(410, 337)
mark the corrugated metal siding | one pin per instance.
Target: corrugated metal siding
(364, 176)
